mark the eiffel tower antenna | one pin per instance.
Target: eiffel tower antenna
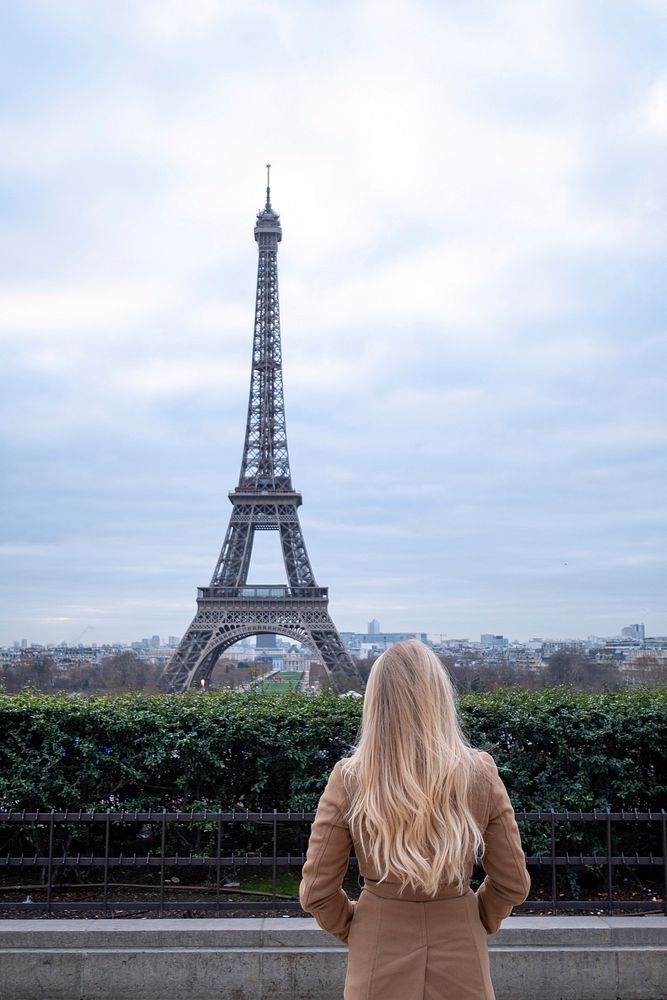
(264, 500)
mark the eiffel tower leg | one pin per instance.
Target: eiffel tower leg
(323, 637)
(180, 670)
(297, 563)
(234, 560)
(333, 654)
(199, 650)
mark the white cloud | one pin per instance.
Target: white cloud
(169, 23)
(60, 312)
(639, 559)
(25, 550)
(654, 115)
(160, 378)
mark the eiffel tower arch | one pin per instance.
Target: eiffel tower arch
(230, 609)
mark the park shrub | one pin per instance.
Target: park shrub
(555, 749)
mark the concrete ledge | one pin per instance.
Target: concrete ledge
(553, 958)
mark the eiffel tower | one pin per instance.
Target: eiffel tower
(264, 500)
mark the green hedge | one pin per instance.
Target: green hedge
(557, 749)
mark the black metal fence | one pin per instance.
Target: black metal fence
(602, 839)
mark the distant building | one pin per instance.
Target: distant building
(637, 632)
(493, 641)
(297, 661)
(173, 641)
(361, 650)
(155, 642)
(266, 641)
(378, 640)
(373, 627)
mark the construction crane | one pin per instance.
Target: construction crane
(80, 636)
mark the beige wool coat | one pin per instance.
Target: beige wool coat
(409, 946)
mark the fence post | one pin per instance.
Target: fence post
(664, 858)
(107, 847)
(553, 860)
(163, 849)
(610, 867)
(49, 870)
(274, 874)
(217, 868)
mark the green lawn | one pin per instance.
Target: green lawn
(290, 681)
(287, 883)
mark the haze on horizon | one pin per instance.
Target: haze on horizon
(472, 302)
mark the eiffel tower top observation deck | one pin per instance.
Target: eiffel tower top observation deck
(264, 500)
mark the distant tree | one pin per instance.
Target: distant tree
(648, 669)
(128, 672)
(563, 667)
(582, 671)
(341, 682)
(364, 666)
(36, 671)
(43, 669)
(319, 676)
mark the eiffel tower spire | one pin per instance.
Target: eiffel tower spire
(264, 500)
(268, 186)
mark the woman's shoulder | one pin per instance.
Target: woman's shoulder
(483, 779)
(486, 769)
(341, 778)
(337, 773)
(340, 769)
(336, 794)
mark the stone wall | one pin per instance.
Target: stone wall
(532, 958)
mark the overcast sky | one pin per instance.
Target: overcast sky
(472, 281)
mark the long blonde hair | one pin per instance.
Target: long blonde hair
(410, 776)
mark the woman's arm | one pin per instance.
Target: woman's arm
(328, 855)
(507, 881)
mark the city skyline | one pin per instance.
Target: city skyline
(636, 631)
(629, 635)
(472, 309)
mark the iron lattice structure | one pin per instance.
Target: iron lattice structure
(264, 500)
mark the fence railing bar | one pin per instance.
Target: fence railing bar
(291, 860)
(125, 816)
